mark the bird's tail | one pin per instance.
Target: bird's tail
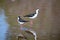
(26, 21)
(24, 16)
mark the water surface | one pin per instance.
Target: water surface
(3, 25)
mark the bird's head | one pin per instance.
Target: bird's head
(37, 10)
(18, 17)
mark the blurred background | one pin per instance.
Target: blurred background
(47, 24)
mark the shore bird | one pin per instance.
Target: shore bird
(32, 16)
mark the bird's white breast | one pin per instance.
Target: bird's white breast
(19, 21)
(33, 16)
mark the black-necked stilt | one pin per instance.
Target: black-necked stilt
(32, 16)
(21, 22)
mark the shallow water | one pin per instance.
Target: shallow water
(3, 25)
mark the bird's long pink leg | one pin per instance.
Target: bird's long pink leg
(21, 26)
(31, 23)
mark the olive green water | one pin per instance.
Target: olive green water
(46, 26)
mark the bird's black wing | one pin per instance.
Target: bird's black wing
(21, 20)
(30, 15)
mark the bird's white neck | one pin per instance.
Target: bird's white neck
(18, 18)
(37, 11)
(35, 14)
